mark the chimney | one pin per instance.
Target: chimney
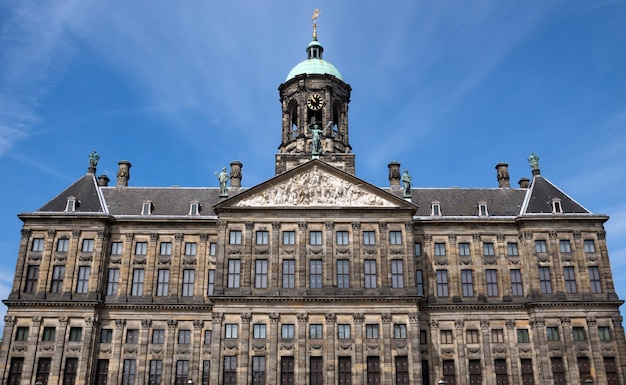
(524, 183)
(103, 180)
(235, 173)
(503, 175)
(123, 173)
(394, 174)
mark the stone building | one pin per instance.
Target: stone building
(314, 276)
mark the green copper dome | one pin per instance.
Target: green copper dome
(314, 64)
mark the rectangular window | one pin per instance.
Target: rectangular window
(163, 282)
(371, 331)
(395, 237)
(578, 333)
(584, 369)
(370, 273)
(373, 370)
(116, 248)
(446, 336)
(141, 248)
(82, 284)
(49, 333)
(37, 244)
(417, 249)
(234, 266)
(212, 248)
(570, 279)
(511, 249)
(182, 372)
(43, 369)
(464, 249)
(106, 336)
(369, 238)
(137, 288)
(113, 281)
(184, 336)
(189, 276)
(315, 331)
(488, 248)
(522, 335)
(234, 237)
(258, 370)
(528, 377)
(210, 282)
(552, 333)
(502, 375)
(260, 273)
(517, 290)
(102, 372)
(156, 372)
(289, 237)
(69, 373)
(21, 333)
(475, 373)
(345, 371)
(594, 279)
(491, 276)
(316, 374)
(289, 273)
(208, 337)
(343, 331)
(315, 238)
(419, 282)
(472, 336)
(158, 336)
(76, 334)
(610, 369)
(402, 370)
(540, 246)
(467, 283)
(545, 280)
(62, 245)
(190, 248)
(31, 279)
(423, 337)
(231, 331)
(315, 273)
(166, 248)
(258, 331)
(206, 372)
(230, 370)
(440, 249)
(342, 238)
(343, 273)
(132, 336)
(87, 246)
(564, 246)
(58, 274)
(558, 371)
(399, 331)
(397, 274)
(497, 336)
(589, 246)
(287, 370)
(287, 331)
(604, 333)
(262, 237)
(449, 375)
(442, 283)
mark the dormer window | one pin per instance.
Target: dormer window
(557, 208)
(72, 204)
(482, 209)
(146, 208)
(435, 209)
(194, 208)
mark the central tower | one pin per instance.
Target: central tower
(314, 101)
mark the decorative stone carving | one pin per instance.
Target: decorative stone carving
(358, 318)
(274, 317)
(565, 321)
(75, 233)
(577, 234)
(602, 235)
(217, 318)
(553, 234)
(329, 225)
(204, 237)
(452, 238)
(245, 318)
(476, 237)
(249, 225)
(63, 321)
(302, 225)
(617, 321)
(500, 237)
(434, 324)
(459, 323)
(130, 237)
(408, 226)
(104, 234)
(146, 323)
(315, 188)
(120, 323)
(330, 318)
(414, 317)
(484, 324)
(26, 233)
(382, 226)
(356, 226)
(85, 258)
(90, 321)
(428, 238)
(316, 346)
(510, 323)
(179, 237)
(171, 323)
(154, 237)
(591, 321)
(37, 320)
(537, 322)
(51, 233)
(9, 320)
(385, 317)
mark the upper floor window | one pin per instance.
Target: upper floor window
(578, 333)
(522, 335)
(417, 249)
(141, 248)
(482, 209)
(289, 237)
(106, 336)
(288, 331)
(342, 237)
(435, 208)
(82, 284)
(210, 288)
(540, 246)
(315, 331)
(517, 289)
(369, 238)
(371, 331)
(397, 273)
(289, 273)
(370, 273)
(58, 274)
(488, 248)
(234, 237)
(113, 281)
(137, 287)
(589, 246)
(158, 336)
(62, 245)
(87, 246)
(552, 333)
(262, 237)
(315, 238)
(116, 248)
(315, 273)
(464, 249)
(190, 248)
(511, 248)
(570, 279)
(604, 333)
(231, 331)
(163, 282)
(184, 336)
(440, 249)
(565, 246)
(208, 336)
(446, 337)
(71, 204)
(442, 283)
(472, 336)
(37, 244)
(343, 331)
(260, 273)
(132, 336)
(234, 267)
(212, 248)
(32, 274)
(419, 281)
(594, 279)
(166, 248)
(194, 208)
(343, 273)
(399, 331)
(395, 237)
(557, 208)
(146, 208)
(467, 283)
(258, 331)
(21, 333)
(544, 280)
(76, 333)
(491, 276)
(497, 335)
(188, 282)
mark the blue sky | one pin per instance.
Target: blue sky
(447, 88)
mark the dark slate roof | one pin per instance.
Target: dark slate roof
(539, 200)
(464, 201)
(165, 200)
(85, 190)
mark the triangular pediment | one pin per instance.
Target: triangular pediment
(316, 184)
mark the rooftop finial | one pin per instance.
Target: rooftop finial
(316, 14)
(533, 159)
(93, 162)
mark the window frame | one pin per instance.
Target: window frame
(369, 238)
(342, 238)
(235, 237)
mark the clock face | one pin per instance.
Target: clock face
(315, 102)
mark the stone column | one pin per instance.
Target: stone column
(144, 340)
(275, 264)
(384, 249)
(386, 366)
(301, 348)
(360, 361)
(272, 358)
(73, 254)
(621, 344)
(329, 265)
(415, 360)
(489, 377)
(329, 348)
(246, 259)
(116, 355)
(195, 368)
(44, 265)
(596, 346)
(87, 349)
(459, 338)
(409, 252)
(21, 265)
(168, 355)
(513, 353)
(356, 260)
(59, 346)
(301, 260)
(216, 347)
(31, 351)
(540, 347)
(244, 352)
(568, 343)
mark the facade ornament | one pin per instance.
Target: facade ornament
(26, 233)
(452, 238)
(75, 233)
(617, 321)
(510, 323)
(218, 318)
(94, 157)
(358, 318)
(382, 226)
(385, 317)
(356, 226)
(249, 225)
(526, 235)
(274, 317)
(223, 177)
(51, 233)
(146, 323)
(591, 321)
(434, 324)
(222, 224)
(484, 324)
(330, 318)
(428, 238)
(63, 321)
(577, 234)
(179, 237)
(414, 317)
(104, 234)
(154, 237)
(204, 237)
(476, 237)
(408, 226)
(9, 320)
(171, 323)
(533, 159)
(565, 321)
(459, 323)
(553, 234)
(120, 323)
(602, 235)
(130, 237)
(90, 321)
(276, 225)
(198, 324)
(329, 225)
(37, 320)
(302, 225)
(406, 180)
(245, 318)
(537, 322)
(304, 318)
(500, 237)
